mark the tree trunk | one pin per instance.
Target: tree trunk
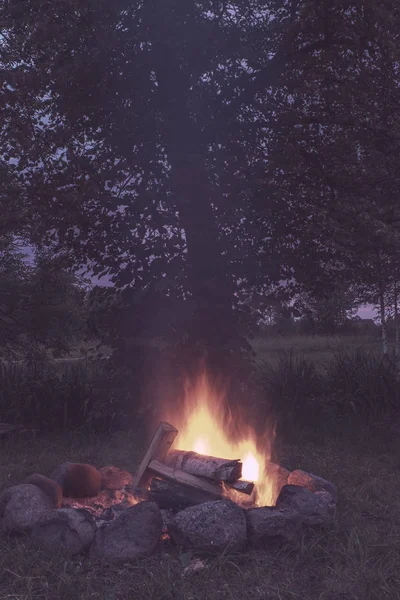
(397, 332)
(214, 330)
(382, 307)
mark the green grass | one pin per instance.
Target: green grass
(358, 558)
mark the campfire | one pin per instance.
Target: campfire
(203, 460)
(209, 487)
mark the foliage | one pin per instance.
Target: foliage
(42, 305)
(64, 397)
(294, 387)
(358, 385)
(363, 384)
(14, 280)
(161, 146)
(327, 311)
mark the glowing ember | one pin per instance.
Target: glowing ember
(204, 428)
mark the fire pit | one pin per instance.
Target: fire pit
(193, 487)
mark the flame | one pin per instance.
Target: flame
(206, 428)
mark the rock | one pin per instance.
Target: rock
(314, 508)
(51, 488)
(166, 515)
(78, 480)
(279, 476)
(68, 529)
(313, 483)
(114, 478)
(269, 526)
(211, 526)
(133, 534)
(194, 566)
(21, 507)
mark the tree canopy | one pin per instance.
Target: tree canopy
(209, 148)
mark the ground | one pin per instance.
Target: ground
(358, 558)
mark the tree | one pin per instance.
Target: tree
(14, 277)
(55, 314)
(42, 306)
(213, 143)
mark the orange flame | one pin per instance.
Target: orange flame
(204, 428)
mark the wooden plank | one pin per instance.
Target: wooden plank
(157, 450)
(218, 469)
(176, 475)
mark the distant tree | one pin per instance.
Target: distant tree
(56, 307)
(14, 277)
(42, 306)
(327, 312)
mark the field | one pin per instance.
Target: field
(357, 558)
(317, 348)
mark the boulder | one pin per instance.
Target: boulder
(21, 507)
(314, 508)
(311, 482)
(114, 478)
(68, 529)
(211, 526)
(78, 480)
(51, 488)
(135, 533)
(269, 526)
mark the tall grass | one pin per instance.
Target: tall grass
(350, 383)
(45, 396)
(356, 383)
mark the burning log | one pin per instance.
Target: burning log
(217, 469)
(191, 478)
(242, 486)
(170, 494)
(186, 479)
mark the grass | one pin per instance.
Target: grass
(318, 348)
(358, 558)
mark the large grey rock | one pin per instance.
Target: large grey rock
(51, 488)
(311, 482)
(78, 480)
(314, 508)
(68, 529)
(21, 507)
(269, 526)
(133, 534)
(210, 526)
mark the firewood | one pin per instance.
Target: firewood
(157, 450)
(177, 476)
(170, 494)
(217, 469)
(242, 486)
